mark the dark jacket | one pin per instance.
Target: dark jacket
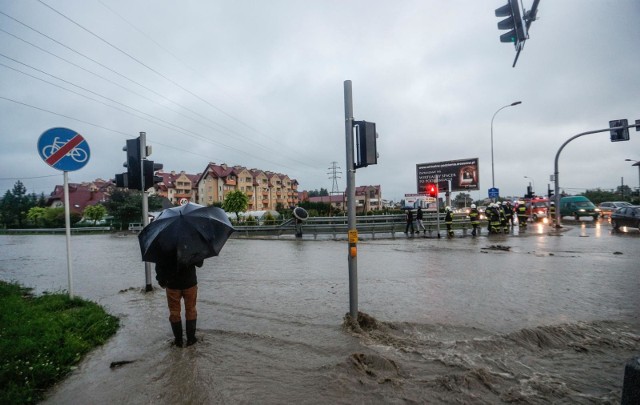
(176, 276)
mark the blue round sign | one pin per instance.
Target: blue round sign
(63, 149)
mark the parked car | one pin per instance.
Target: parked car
(626, 216)
(608, 207)
(578, 206)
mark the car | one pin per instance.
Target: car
(578, 206)
(608, 207)
(626, 216)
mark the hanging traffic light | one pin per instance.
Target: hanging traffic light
(432, 190)
(514, 23)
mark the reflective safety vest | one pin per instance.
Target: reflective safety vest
(474, 216)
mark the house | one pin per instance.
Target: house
(177, 186)
(368, 198)
(81, 195)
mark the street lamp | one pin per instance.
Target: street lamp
(637, 163)
(533, 182)
(493, 179)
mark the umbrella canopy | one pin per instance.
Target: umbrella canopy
(189, 233)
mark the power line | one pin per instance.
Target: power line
(178, 85)
(227, 131)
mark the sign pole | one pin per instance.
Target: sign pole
(351, 203)
(67, 220)
(437, 207)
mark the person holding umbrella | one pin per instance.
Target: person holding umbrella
(181, 283)
(178, 241)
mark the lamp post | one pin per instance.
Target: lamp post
(532, 182)
(493, 179)
(637, 163)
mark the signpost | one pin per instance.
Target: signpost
(66, 150)
(494, 193)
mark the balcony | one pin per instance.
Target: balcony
(230, 182)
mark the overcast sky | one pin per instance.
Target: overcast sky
(261, 84)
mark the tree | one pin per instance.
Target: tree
(462, 200)
(125, 206)
(37, 215)
(95, 212)
(322, 193)
(236, 201)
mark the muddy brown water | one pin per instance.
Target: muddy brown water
(541, 318)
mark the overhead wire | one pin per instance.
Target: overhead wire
(137, 60)
(228, 130)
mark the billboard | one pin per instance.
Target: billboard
(464, 174)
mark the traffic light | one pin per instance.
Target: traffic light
(122, 180)
(549, 192)
(621, 134)
(150, 179)
(366, 144)
(514, 23)
(134, 160)
(432, 190)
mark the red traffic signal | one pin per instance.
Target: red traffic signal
(432, 189)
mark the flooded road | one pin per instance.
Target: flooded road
(533, 318)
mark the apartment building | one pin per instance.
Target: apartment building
(265, 189)
(177, 186)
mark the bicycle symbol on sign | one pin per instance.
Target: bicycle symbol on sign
(77, 154)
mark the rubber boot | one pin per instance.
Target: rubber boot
(176, 327)
(191, 332)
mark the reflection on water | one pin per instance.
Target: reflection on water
(537, 317)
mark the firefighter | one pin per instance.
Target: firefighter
(504, 222)
(448, 220)
(508, 212)
(521, 212)
(474, 216)
(494, 218)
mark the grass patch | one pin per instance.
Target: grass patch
(42, 338)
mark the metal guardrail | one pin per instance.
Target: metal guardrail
(372, 225)
(56, 230)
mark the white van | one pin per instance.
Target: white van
(135, 226)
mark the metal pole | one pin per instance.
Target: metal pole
(556, 174)
(493, 179)
(351, 202)
(437, 208)
(145, 205)
(67, 220)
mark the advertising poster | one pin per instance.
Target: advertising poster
(464, 174)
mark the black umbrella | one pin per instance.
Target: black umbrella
(189, 233)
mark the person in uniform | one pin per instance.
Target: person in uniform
(474, 217)
(448, 220)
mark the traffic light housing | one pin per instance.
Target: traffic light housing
(621, 134)
(550, 192)
(367, 153)
(134, 160)
(432, 190)
(514, 23)
(150, 168)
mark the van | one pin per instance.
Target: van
(135, 226)
(578, 206)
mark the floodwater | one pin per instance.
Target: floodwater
(536, 318)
